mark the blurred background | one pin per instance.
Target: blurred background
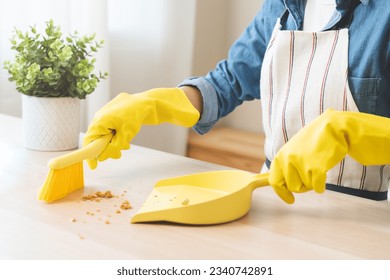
(148, 43)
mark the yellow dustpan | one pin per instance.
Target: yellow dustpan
(203, 198)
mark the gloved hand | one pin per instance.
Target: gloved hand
(301, 164)
(126, 113)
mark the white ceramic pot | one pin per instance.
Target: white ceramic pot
(51, 123)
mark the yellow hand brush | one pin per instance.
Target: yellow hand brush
(66, 172)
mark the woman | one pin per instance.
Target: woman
(338, 59)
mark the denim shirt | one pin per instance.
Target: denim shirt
(237, 78)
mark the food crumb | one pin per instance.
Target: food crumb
(125, 205)
(101, 196)
(73, 220)
(98, 195)
(185, 202)
(89, 197)
(106, 194)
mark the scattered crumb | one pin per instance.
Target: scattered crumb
(99, 194)
(106, 194)
(125, 205)
(89, 197)
(185, 202)
(96, 197)
(80, 236)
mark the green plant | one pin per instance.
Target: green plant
(49, 66)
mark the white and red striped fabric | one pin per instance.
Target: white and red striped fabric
(303, 74)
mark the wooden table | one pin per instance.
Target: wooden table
(328, 226)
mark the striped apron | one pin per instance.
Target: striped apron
(303, 74)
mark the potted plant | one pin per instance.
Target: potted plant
(52, 73)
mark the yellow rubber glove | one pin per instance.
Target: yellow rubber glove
(126, 113)
(301, 164)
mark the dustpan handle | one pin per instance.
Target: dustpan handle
(260, 180)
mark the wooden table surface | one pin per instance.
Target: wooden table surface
(327, 226)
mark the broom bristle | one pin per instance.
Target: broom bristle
(61, 182)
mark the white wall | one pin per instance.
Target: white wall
(207, 30)
(195, 38)
(211, 33)
(151, 46)
(218, 25)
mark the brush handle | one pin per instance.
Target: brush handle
(92, 150)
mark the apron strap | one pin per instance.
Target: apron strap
(378, 196)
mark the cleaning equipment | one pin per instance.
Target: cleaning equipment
(302, 163)
(66, 171)
(203, 198)
(126, 113)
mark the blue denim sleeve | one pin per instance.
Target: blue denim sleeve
(210, 103)
(237, 78)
